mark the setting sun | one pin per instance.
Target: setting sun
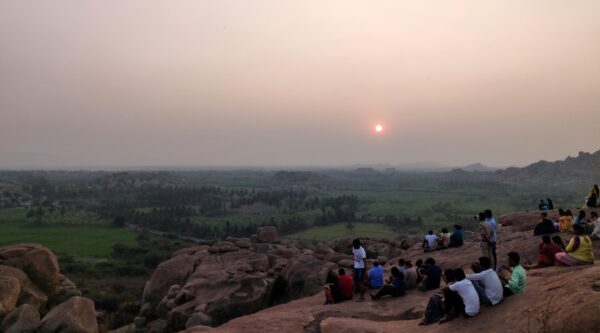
(379, 128)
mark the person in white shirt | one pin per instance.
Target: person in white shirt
(430, 241)
(360, 264)
(489, 217)
(486, 283)
(460, 297)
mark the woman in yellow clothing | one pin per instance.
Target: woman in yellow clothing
(578, 251)
(565, 221)
(595, 190)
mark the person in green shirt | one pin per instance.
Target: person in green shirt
(516, 284)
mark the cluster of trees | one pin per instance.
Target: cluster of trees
(339, 209)
(179, 219)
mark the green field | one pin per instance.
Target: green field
(80, 241)
(422, 202)
(339, 231)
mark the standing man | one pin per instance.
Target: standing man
(360, 264)
(489, 218)
(486, 234)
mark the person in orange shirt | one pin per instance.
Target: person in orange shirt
(566, 221)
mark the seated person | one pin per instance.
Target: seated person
(346, 283)
(556, 240)
(579, 250)
(567, 221)
(338, 288)
(432, 275)
(545, 227)
(396, 288)
(460, 297)
(595, 190)
(401, 265)
(547, 252)
(375, 276)
(592, 201)
(580, 218)
(543, 205)
(410, 276)
(436, 309)
(487, 283)
(596, 232)
(332, 289)
(516, 284)
(430, 241)
(419, 268)
(444, 239)
(457, 237)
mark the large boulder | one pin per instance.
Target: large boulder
(267, 234)
(173, 271)
(306, 275)
(343, 246)
(410, 241)
(25, 319)
(29, 293)
(38, 262)
(10, 289)
(66, 289)
(77, 315)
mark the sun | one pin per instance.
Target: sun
(378, 128)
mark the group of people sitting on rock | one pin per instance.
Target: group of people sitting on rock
(566, 221)
(463, 294)
(444, 240)
(579, 248)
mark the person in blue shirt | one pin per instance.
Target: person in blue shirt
(376, 276)
(580, 218)
(457, 237)
(396, 288)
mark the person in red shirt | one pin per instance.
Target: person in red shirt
(346, 285)
(547, 250)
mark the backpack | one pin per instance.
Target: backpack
(435, 310)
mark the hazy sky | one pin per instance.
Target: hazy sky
(122, 83)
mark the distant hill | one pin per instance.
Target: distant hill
(478, 167)
(583, 170)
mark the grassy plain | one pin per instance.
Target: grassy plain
(79, 241)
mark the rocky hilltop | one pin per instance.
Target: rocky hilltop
(35, 297)
(235, 286)
(579, 171)
(267, 284)
(210, 285)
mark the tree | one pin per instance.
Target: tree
(119, 221)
